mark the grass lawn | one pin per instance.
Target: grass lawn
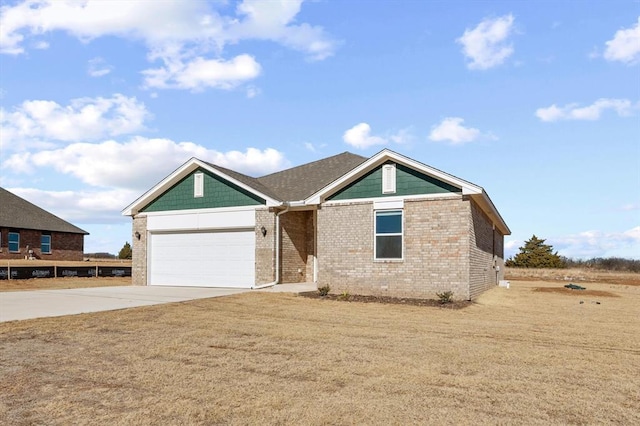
(518, 355)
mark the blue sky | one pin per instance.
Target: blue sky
(538, 102)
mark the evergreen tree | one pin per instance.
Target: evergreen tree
(536, 254)
(125, 251)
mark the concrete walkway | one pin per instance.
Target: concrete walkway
(20, 305)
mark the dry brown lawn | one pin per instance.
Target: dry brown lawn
(516, 356)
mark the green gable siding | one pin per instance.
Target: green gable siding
(217, 193)
(408, 182)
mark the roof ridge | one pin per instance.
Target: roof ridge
(310, 163)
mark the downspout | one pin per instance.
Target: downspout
(258, 287)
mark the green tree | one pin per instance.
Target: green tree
(125, 251)
(536, 254)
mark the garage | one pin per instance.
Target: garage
(214, 258)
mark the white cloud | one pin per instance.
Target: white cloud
(200, 73)
(359, 136)
(37, 123)
(84, 206)
(253, 91)
(139, 163)
(487, 45)
(272, 21)
(623, 107)
(590, 244)
(98, 67)
(180, 33)
(451, 129)
(625, 45)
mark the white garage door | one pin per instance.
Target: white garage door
(203, 259)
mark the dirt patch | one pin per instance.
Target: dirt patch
(62, 283)
(458, 304)
(581, 275)
(570, 292)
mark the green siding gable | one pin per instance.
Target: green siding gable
(408, 182)
(217, 193)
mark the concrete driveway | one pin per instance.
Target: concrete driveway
(19, 305)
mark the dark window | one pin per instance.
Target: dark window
(388, 234)
(45, 244)
(14, 242)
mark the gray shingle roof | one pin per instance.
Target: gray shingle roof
(300, 182)
(16, 212)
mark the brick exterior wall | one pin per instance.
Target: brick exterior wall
(296, 242)
(436, 250)
(265, 247)
(139, 249)
(64, 246)
(482, 271)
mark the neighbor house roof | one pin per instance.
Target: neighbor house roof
(16, 212)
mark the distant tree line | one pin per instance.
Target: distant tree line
(607, 263)
(536, 254)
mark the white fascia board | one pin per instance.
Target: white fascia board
(490, 209)
(467, 187)
(439, 196)
(181, 172)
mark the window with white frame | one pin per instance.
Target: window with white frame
(14, 242)
(198, 185)
(389, 179)
(388, 234)
(45, 244)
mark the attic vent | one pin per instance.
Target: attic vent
(198, 185)
(389, 179)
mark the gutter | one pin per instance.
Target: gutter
(277, 280)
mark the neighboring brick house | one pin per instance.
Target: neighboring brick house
(385, 225)
(29, 232)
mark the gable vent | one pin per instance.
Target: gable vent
(389, 179)
(198, 185)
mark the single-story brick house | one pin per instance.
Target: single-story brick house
(29, 232)
(385, 225)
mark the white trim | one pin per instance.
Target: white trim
(181, 172)
(401, 234)
(202, 221)
(388, 178)
(397, 198)
(388, 204)
(198, 185)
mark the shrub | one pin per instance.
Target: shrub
(324, 290)
(445, 297)
(344, 295)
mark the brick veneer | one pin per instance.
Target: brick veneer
(265, 247)
(139, 249)
(297, 239)
(437, 250)
(64, 246)
(485, 253)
